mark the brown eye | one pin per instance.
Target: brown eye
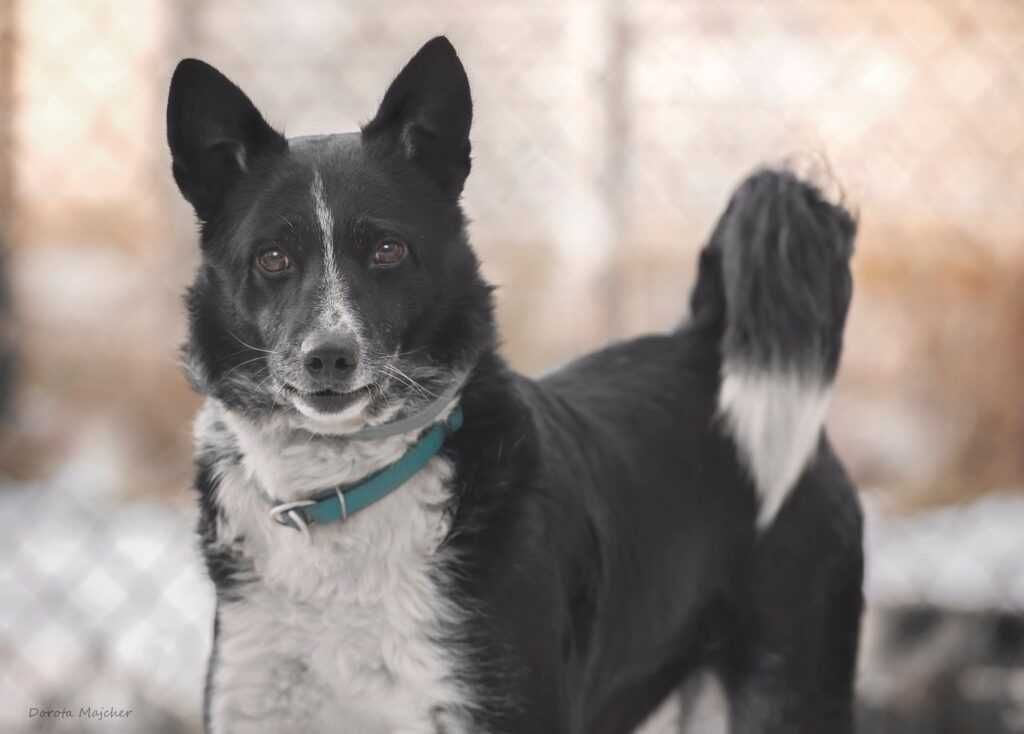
(389, 252)
(273, 261)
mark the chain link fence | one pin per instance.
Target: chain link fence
(607, 137)
(107, 607)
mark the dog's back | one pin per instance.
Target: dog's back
(684, 484)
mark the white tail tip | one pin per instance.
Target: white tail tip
(775, 418)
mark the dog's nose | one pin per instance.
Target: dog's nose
(331, 361)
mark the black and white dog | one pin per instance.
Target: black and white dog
(406, 536)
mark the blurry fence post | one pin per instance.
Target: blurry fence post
(7, 347)
(613, 180)
(7, 37)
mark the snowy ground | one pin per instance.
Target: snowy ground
(104, 603)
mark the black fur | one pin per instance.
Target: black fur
(785, 302)
(215, 133)
(604, 523)
(609, 543)
(426, 115)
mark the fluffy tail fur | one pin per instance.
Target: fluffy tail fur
(775, 279)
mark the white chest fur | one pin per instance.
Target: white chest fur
(340, 634)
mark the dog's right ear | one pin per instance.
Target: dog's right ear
(215, 133)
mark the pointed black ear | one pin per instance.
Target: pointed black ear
(426, 114)
(215, 134)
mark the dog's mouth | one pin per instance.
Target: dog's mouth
(328, 401)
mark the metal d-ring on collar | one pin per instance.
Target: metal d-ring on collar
(286, 514)
(340, 502)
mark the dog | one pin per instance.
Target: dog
(407, 536)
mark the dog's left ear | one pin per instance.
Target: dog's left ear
(426, 114)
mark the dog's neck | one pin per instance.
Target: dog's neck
(290, 464)
(259, 465)
(293, 463)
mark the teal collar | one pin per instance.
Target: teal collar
(340, 502)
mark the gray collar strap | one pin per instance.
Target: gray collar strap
(414, 422)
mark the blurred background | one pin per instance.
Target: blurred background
(607, 138)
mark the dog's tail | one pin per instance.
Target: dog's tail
(775, 283)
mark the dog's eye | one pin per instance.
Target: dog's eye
(389, 252)
(273, 261)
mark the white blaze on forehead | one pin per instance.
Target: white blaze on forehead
(337, 310)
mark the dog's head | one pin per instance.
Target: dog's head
(337, 286)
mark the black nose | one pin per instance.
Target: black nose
(331, 362)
